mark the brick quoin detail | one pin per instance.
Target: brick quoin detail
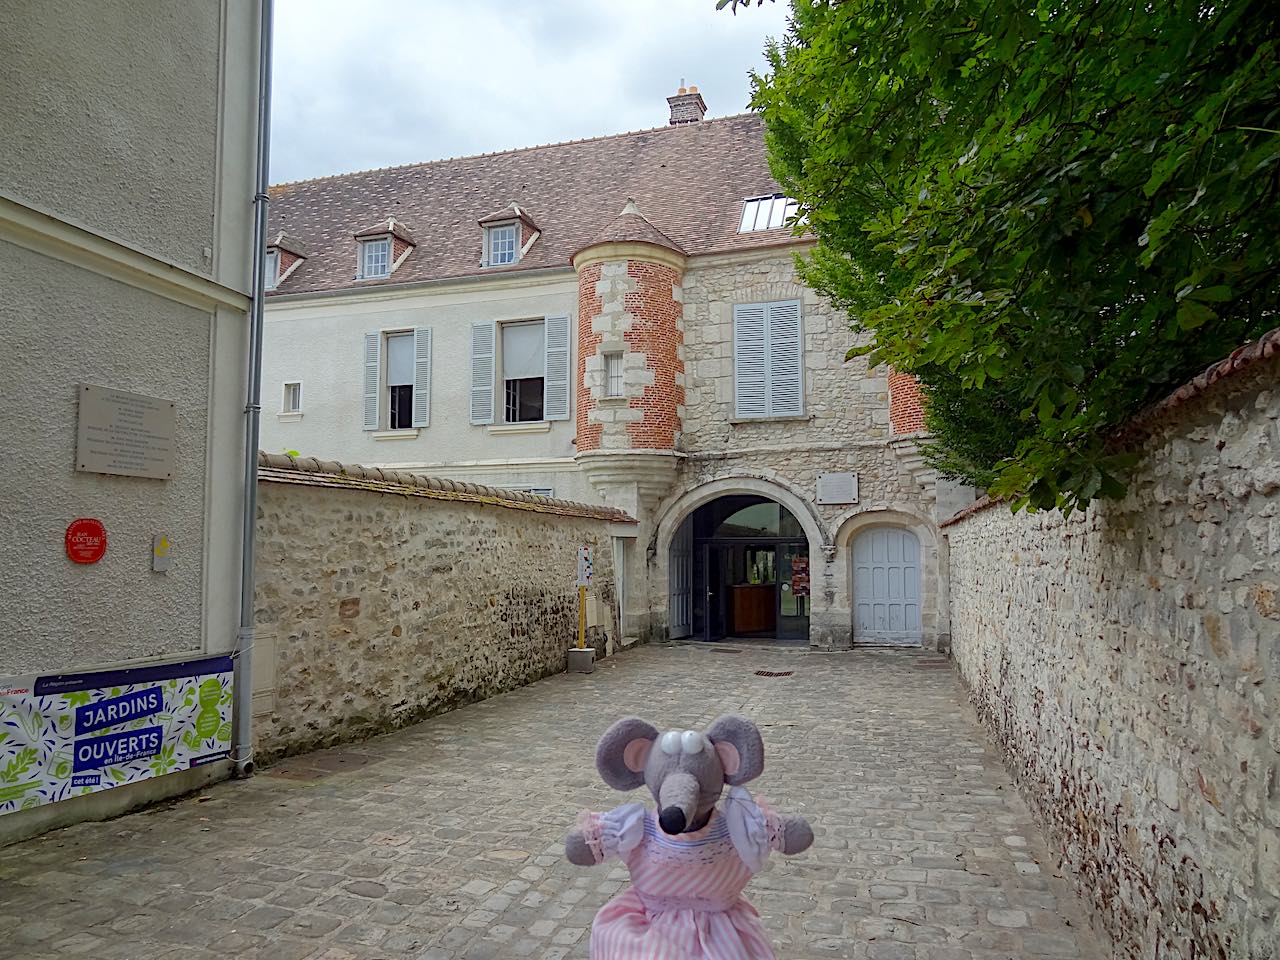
(906, 412)
(589, 307)
(655, 332)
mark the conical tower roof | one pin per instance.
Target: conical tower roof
(630, 226)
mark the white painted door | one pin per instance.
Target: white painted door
(681, 580)
(886, 587)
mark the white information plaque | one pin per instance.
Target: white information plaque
(837, 488)
(127, 434)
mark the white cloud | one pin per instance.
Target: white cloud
(382, 82)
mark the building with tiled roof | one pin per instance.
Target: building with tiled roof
(616, 320)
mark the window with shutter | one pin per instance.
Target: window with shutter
(750, 361)
(422, 377)
(372, 376)
(556, 395)
(482, 372)
(785, 359)
(399, 380)
(768, 360)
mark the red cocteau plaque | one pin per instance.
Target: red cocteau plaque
(86, 540)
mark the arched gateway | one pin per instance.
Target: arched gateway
(739, 568)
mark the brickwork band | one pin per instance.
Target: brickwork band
(630, 308)
(906, 411)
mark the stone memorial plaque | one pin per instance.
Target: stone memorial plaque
(837, 488)
(127, 434)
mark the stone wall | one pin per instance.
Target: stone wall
(1127, 659)
(384, 598)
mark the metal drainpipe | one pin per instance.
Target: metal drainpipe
(242, 745)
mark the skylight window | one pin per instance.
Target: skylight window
(766, 213)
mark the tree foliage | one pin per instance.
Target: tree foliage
(1049, 212)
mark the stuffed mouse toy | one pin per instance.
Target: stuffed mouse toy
(689, 859)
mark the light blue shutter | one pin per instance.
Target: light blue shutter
(482, 344)
(422, 377)
(786, 360)
(750, 361)
(372, 369)
(555, 397)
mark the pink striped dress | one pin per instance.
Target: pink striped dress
(685, 900)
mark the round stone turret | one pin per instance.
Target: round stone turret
(630, 353)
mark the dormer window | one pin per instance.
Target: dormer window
(766, 213)
(375, 258)
(502, 244)
(271, 270)
(285, 254)
(382, 248)
(508, 235)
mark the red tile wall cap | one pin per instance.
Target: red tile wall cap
(309, 471)
(1148, 421)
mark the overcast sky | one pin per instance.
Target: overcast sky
(384, 82)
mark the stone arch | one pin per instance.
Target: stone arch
(933, 586)
(675, 510)
(851, 522)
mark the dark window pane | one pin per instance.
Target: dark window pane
(759, 519)
(524, 400)
(401, 407)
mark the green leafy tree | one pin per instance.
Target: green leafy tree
(1049, 212)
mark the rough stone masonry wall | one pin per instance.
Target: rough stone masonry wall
(387, 603)
(1128, 661)
(845, 425)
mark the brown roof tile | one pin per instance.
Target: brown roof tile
(631, 226)
(388, 226)
(690, 181)
(291, 244)
(512, 211)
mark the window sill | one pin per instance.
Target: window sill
(292, 416)
(614, 401)
(409, 434)
(738, 421)
(534, 426)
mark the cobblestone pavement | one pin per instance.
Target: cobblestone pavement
(444, 840)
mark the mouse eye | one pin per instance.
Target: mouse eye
(691, 741)
(670, 743)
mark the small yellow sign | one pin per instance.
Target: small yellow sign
(161, 553)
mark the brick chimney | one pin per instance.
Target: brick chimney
(687, 106)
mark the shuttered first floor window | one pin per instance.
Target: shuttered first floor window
(397, 379)
(520, 370)
(768, 359)
(400, 381)
(524, 364)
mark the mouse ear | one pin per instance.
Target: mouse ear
(739, 746)
(623, 751)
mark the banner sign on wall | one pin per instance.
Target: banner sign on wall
(68, 734)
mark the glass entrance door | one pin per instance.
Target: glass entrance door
(793, 591)
(713, 619)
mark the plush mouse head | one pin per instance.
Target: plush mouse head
(684, 770)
